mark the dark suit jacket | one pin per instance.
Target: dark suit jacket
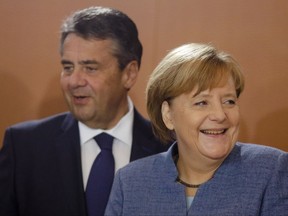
(40, 166)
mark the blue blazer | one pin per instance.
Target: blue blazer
(40, 166)
(253, 180)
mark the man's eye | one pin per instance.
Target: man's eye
(67, 69)
(91, 69)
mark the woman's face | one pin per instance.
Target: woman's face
(206, 124)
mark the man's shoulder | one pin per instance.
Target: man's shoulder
(41, 131)
(47, 122)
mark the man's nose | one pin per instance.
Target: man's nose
(77, 78)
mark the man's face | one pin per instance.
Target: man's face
(93, 85)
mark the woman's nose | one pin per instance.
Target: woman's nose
(217, 113)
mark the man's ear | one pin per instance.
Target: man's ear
(167, 115)
(130, 74)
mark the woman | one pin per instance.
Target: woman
(192, 97)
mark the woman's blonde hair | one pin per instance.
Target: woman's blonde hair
(184, 68)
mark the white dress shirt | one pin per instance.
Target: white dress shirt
(122, 143)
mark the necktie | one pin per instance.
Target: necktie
(101, 177)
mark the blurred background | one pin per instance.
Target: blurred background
(254, 32)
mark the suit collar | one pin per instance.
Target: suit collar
(69, 122)
(143, 141)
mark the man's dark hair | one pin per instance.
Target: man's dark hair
(106, 23)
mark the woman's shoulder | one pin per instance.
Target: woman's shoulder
(150, 167)
(255, 154)
(252, 149)
(145, 164)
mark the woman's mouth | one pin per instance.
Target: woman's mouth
(213, 131)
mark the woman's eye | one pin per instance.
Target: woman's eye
(230, 102)
(201, 103)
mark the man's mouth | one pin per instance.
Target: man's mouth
(79, 97)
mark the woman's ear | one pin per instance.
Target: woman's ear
(167, 115)
(130, 74)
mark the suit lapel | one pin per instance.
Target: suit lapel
(69, 160)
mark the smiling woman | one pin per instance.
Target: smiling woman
(212, 117)
(192, 97)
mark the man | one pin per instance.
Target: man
(45, 165)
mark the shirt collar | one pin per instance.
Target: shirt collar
(122, 131)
